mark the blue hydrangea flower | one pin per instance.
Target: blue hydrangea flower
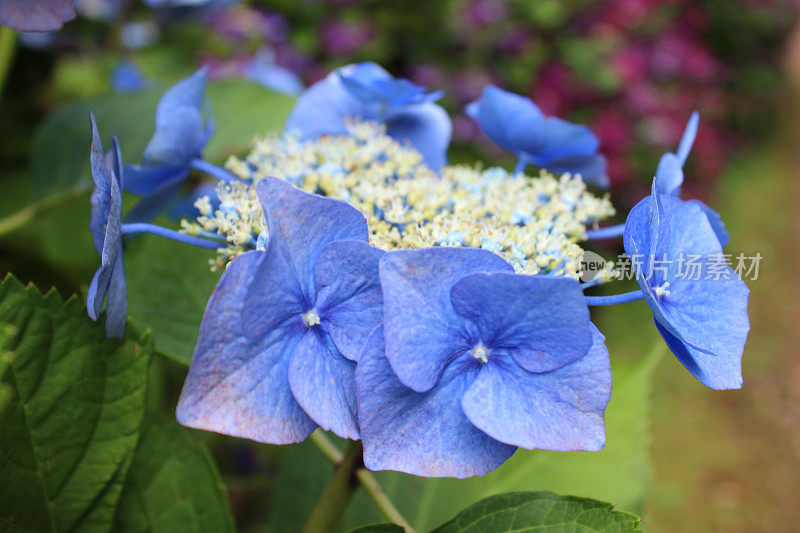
(108, 283)
(515, 124)
(669, 176)
(180, 136)
(368, 92)
(284, 328)
(476, 361)
(702, 312)
(36, 15)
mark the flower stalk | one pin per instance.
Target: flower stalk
(361, 477)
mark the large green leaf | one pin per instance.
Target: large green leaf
(168, 286)
(173, 484)
(543, 512)
(620, 473)
(70, 430)
(60, 153)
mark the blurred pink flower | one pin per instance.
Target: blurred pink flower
(344, 38)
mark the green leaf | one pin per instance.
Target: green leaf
(543, 512)
(69, 433)
(620, 473)
(173, 484)
(60, 152)
(169, 284)
(6, 334)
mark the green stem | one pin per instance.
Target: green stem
(363, 477)
(381, 500)
(27, 214)
(337, 494)
(8, 45)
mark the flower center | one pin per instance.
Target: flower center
(480, 352)
(311, 318)
(662, 290)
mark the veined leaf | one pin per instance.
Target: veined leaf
(173, 484)
(71, 427)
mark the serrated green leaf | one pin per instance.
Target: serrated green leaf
(173, 484)
(60, 152)
(169, 284)
(70, 430)
(543, 512)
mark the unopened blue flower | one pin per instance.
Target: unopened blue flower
(36, 15)
(515, 124)
(108, 283)
(475, 361)
(366, 91)
(180, 136)
(701, 312)
(284, 328)
(127, 77)
(669, 176)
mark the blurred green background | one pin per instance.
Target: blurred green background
(687, 458)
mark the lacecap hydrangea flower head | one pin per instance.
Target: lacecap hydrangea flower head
(434, 312)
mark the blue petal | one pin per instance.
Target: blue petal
(300, 225)
(145, 180)
(323, 383)
(716, 222)
(506, 118)
(359, 79)
(427, 127)
(515, 123)
(275, 77)
(593, 169)
(117, 303)
(423, 332)
(36, 15)
(188, 92)
(373, 85)
(542, 321)
(178, 139)
(425, 434)
(349, 298)
(719, 372)
(687, 140)
(101, 195)
(558, 138)
(322, 109)
(669, 174)
(111, 246)
(560, 410)
(239, 386)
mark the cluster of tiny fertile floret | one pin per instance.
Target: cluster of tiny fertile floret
(535, 223)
